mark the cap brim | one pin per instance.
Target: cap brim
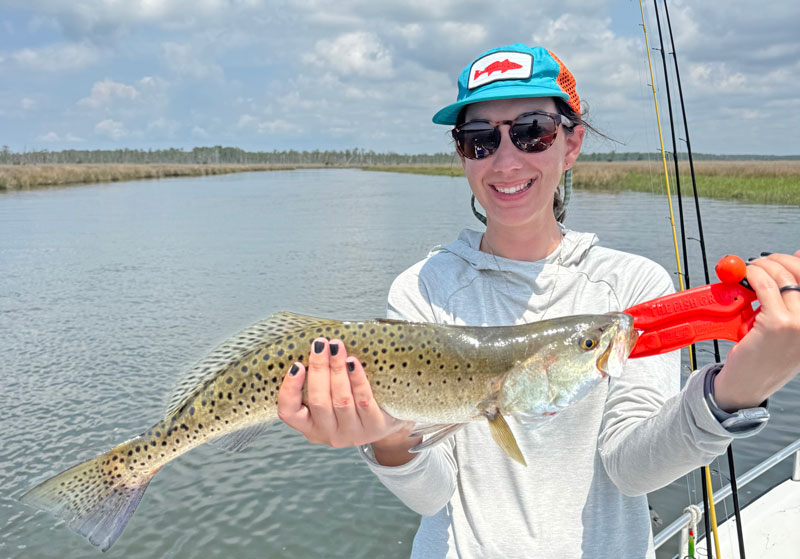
(449, 114)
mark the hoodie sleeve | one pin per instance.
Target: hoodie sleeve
(653, 433)
(427, 482)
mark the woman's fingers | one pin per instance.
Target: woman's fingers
(342, 401)
(366, 406)
(319, 384)
(768, 275)
(290, 400)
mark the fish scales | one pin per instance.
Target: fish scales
(430, 374)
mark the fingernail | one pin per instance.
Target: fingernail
(318, 347)
(334, 349)
(765, 253)
(351, 366)
(293, 371)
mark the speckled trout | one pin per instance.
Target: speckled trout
(440, 377)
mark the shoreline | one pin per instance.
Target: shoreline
(759, 182)
(29, 177)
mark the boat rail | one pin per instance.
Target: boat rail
(683, 521)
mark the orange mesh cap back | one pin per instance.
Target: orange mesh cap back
(566, 81)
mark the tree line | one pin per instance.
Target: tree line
(354, 157)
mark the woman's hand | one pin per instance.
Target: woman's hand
(340, 409)
(769, 355)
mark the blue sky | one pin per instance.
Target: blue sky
(313, 74)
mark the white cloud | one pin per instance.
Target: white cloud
(198, 132)
(359, 53)
(56, 57)
(52, 137)
(163, 126)
(106, 92)
(252, 123)
(111, 129)
(190, 60)
(27, 103)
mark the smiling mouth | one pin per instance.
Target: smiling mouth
(521, 187)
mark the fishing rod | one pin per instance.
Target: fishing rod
(705, 473)
(703, 252)
(709, 520)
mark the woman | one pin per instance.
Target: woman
(517, 129)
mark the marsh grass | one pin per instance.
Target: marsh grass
(762, 182)
(24, 177)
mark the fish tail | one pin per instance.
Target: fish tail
(96, 498)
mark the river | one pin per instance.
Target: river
(108, 291)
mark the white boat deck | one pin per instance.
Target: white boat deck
(771, 527)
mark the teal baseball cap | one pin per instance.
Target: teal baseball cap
(512, 72)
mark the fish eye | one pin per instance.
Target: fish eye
(588, 343)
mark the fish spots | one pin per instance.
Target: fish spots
(244, 368)
(229, 380)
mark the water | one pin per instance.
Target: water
(106, 291)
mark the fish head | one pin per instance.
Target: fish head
(565, 361)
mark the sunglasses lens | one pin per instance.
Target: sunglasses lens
(476, 140)
(534, 132)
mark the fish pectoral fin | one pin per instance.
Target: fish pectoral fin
(438, 433)
(502, 435)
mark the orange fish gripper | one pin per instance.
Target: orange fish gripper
(719, 311)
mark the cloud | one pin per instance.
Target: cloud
(163, 126)
(27, 103)
(52, 137)
(56, 57)
(111, 129)
(106, 92)
(189, 60)
(260, 126)
(360, 53)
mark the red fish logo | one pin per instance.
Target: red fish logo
(501, 66)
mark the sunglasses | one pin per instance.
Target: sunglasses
(530, 132)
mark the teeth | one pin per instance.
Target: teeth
(513, 189)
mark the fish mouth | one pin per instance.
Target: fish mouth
(610, 362)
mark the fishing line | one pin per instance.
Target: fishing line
(703, 252)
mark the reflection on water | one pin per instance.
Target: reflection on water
(107, 291)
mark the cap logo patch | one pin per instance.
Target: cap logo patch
(508, 65)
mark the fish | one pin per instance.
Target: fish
(439, 376)
(501, 66)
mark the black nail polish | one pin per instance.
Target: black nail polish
(334, 349)
(318, 347)
(765, 253)
(293, 371)
(351, 366)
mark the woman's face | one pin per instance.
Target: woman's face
(496, 180)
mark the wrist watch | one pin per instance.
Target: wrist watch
(742, 423)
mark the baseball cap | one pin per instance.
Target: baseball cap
(512, 72)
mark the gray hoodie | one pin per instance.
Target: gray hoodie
(583, 493)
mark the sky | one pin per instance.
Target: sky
(269, 75)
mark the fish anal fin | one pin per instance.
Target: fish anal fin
(240, 439)
(502, 435)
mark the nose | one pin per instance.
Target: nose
(508, 157)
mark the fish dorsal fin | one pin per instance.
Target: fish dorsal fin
(235, 348)
(502, 435)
